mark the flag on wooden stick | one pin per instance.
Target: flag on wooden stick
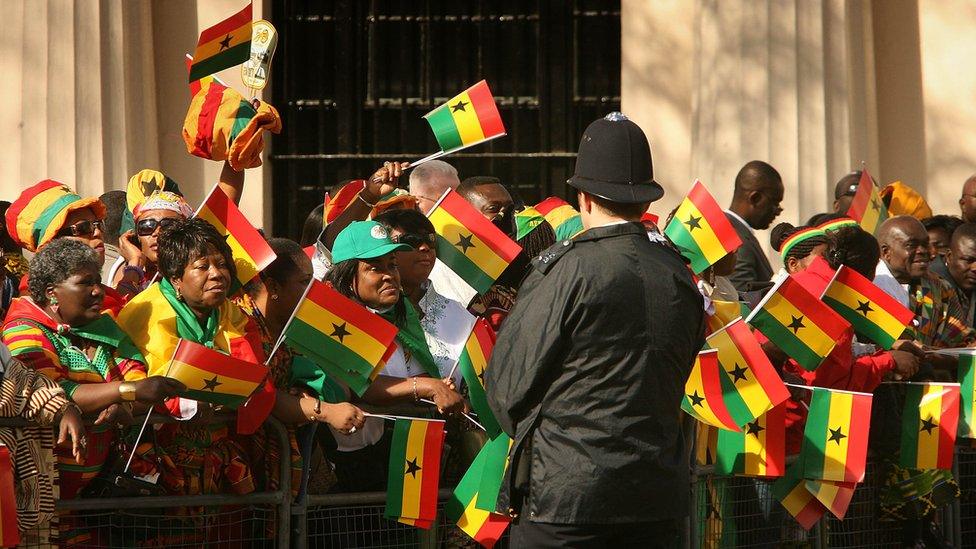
(212, 376)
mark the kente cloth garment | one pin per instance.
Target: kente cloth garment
(16, 264)
(27, 394)
(939, 314)
(910, 493)
(56, 352)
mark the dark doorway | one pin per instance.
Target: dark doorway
(352, 80)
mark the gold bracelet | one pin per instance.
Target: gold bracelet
(416, 398)
(127, 390)
(360, 197)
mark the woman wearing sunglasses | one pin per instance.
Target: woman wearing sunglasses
(139, 248)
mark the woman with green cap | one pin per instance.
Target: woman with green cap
(365, 270)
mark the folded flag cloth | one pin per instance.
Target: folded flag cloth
(221, 125)
(39, 213)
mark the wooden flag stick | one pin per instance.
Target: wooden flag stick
(391, 417)
(465, 414)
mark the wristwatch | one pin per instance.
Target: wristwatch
(128, 390)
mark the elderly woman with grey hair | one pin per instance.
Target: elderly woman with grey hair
(61, 332)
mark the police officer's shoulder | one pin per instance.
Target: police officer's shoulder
(551, 255)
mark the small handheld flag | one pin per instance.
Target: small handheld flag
(835, 496)
(483, 526)
(705, 396)
(871, 311)
(415, 470)
(565, 220)
(929, 421)
(195, 85)
(471, 117)
(835, 439)
(496, 461)
(472, 363)
(250, 250)
(866, 207)
(966, 374)
(223, 45)
(797, 322)
(344, 338)
(759, 450)
(700, 230)
(468, 243)
(792, 493)
(211, 376)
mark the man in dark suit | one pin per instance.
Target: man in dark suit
(755, 204)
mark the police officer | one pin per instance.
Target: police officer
(588, 372)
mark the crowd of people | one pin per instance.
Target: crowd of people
(596, 336)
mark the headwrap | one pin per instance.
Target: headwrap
(165, 200)
(799, 236)
(396, 196)
(141, 186)
(221, 125)
(40, 211)
(904, 200)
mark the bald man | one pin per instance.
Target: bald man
(967, 202)
(755, 204)
(429, 180)
(934, 300)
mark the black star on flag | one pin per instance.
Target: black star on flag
(339, 331)
(928, 425)
(464, 242)
(693, 223)
(412, 468)
(737, 373)
(796, 324)
(695, 399)
(225, 43)
(754, 428)
(864, 307)
(211, 384)
(459, 107)
(836, 435)
(874, 204)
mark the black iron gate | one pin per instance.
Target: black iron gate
(353, 78)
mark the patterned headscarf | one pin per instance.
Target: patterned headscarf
(164, 200)
(39, 213)
(140, 187)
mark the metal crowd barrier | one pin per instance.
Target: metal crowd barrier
(725, 512)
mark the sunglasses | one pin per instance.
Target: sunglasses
(82, 228)
(148, 226)
(415, 240)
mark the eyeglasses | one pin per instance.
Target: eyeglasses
(148, 226)
(415, 240)
(82, 228)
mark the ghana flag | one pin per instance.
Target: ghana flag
(212, 376)
(835, 496)
(835, 440)
(792, 493)
(700, 230)
(250, 250)
(704, 393)
(928, 425)
(335, 205)
(197, 84)
(966, 374)
(496, 452)
(344, 338)
(471, 117)
(483, 526)
(759, 450)
(472, 363)
(223, 45)
(526, 221)
(866, 207)
(415, 470)
(871, 311)
(797, 322)
(565, 220)
(749, 373)
(468, 243)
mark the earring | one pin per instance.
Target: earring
(179, 295)
(54, 301)
(274, 297)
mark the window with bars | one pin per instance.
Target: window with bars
(353, 79)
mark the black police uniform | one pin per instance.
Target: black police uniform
(587, 376)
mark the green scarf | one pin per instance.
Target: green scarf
(307, 373)
(187, 324)
(105, 330)
(411, 338)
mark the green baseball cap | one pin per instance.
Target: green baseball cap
(364, 240)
